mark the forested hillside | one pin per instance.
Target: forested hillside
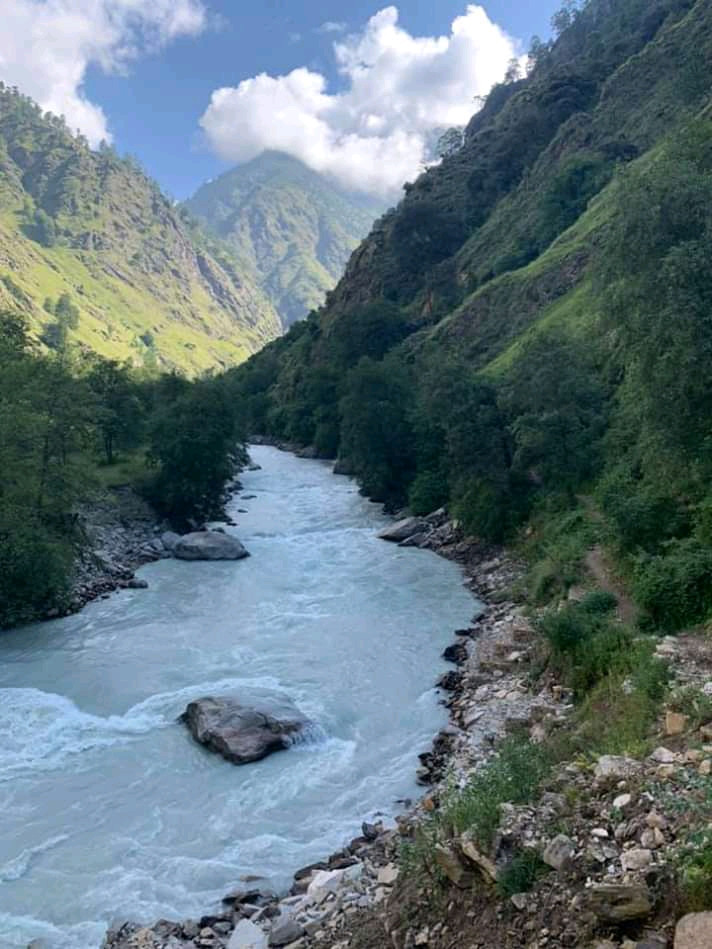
(527, 336)
(89, 242)
(290, 229)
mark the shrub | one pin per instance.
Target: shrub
(675, 588)
(586, 645)
(695, 874)
(513, 776)
(521, 874)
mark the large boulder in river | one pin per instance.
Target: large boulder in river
(209, 545)
(404, 529)
(242, 733)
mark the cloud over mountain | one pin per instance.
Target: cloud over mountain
(397, 90)
(46, 47)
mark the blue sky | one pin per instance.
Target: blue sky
(149, 78)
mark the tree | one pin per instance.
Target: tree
(376, 438)
(45, 231)
(193, 444)
(118, 411)
(555, 402)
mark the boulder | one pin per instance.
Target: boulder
(242, 733)
(694, 931)
(169, 539)
(559, 852)
(615, 768)
(620, 902)
(402, 530)
(247, 936)
(453, 868)
(285, 930)
(209, 545)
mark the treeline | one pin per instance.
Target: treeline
(617, 412)
(65, 417)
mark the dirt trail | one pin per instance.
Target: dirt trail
(598, 567)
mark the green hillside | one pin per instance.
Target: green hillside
(92, 225)
(290, 229)
(531, 324)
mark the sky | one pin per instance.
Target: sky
(355, 89)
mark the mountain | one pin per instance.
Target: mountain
(92, 226)
(290, 229)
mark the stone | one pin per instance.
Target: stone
(452, 867)
(559, 852)
(675, 723)
(456, 653)
(637, 859)
(694, 931)
(242, 733)
(705, 767)
(246, 935)
(519, 901)
(371, 831)
(169, 539)
(615, 768)
(388, 875)
(474, 854)
(209, 545)
(652, 838)
(706, 732)
(622, 801)
(136, 584)
(402, 530)
(663, 755)
(284, 931)
(329, 881)
(665, 771)
(620, 902)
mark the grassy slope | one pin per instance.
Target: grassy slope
(123, 255)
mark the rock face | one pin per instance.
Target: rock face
(241, 733)
(209, 545)
(694, 931)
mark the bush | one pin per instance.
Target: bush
(586, 646)
(428, 492)
(599, 602)
(521, 874)
(675, 588)
(695, 874)
(513, 777)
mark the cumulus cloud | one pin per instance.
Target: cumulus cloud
(374, 135)
(46, 47)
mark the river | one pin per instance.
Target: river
(110, 810)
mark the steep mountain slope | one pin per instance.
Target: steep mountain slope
(91, 225)
(291, 229)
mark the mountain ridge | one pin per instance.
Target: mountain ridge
(290, 228)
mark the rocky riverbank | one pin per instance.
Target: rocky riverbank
(606, 834)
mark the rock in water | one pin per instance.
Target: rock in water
(402, 530)
(209, 545)
(242, 733)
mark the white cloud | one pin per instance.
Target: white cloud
(398, 90)
(331, 26)
(46, 47)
